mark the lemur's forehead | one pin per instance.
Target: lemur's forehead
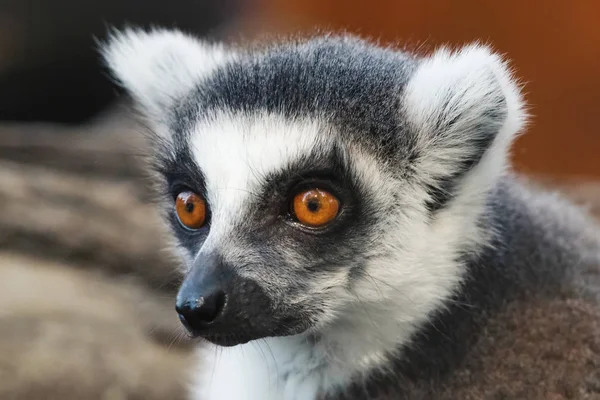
(354, 86)
(237, 153)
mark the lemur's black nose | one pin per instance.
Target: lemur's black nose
(197, 312)
(201, 301)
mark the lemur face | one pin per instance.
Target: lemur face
(311, 179)
(289, 222)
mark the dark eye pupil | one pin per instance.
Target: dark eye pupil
(313, 205)
(189, 207)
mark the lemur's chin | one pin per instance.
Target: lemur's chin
(232, 340)
(228, 340)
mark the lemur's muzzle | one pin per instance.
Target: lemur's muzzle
(214, 302)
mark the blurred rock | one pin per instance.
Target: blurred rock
(86, 280)
(68, 334)
(79, 195)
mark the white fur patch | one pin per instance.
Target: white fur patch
(254, 371)
(160, 66)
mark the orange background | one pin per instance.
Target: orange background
(554, 46)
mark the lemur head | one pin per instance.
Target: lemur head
(309, 179)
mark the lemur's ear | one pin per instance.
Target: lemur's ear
(462, 107)
(159, 66)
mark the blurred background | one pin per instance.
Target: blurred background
(86, 289)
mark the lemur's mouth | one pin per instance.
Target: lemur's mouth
(228, 336)
(227, 340)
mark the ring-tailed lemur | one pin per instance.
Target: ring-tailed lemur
(349, 225)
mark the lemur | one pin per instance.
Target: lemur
(349, 225)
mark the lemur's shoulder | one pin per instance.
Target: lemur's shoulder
(544, 348)
(542, 340)
(549, 244)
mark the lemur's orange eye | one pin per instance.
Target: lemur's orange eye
(315, 208)
(191, 210)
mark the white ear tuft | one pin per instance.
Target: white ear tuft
(457, 90)
(159, 66)
(460, 104)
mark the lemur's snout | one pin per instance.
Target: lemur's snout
(216, 303)
(198, 310)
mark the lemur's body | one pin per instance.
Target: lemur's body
(433, 252)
